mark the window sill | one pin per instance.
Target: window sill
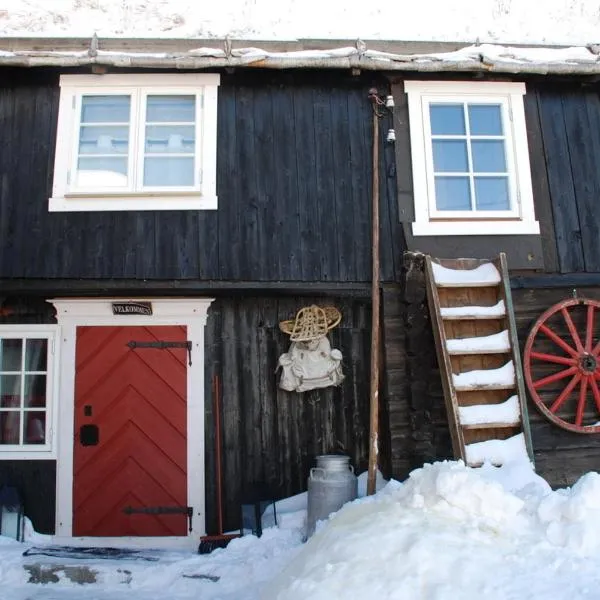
(470, 228)
(21, 454)
(133, 202)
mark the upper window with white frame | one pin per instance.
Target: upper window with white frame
(136, 142)
(26, 391)
(470, 158)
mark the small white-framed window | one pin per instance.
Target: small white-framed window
(470, 158)
(136, 142)
(27, 391)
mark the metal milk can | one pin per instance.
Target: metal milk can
(331, 484)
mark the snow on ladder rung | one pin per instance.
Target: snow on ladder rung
(497, 452)
(488, 344)
(505, 413)
(484, 275)
(450, 313)
(485, 379)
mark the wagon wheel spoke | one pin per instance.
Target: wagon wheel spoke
(581, 401)
(554, 377)
(552, 358)
(558, 340)
(589, 329)
(572, 330)
(565, 393)
(595, 392)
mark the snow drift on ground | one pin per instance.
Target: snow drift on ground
(448, 533)
(454, 533)
(567, 22)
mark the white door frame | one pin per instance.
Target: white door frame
(74, 312)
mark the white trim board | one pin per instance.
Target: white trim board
(188, 312)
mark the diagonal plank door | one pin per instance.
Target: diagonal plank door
(135, 400)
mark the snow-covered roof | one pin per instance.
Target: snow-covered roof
(507, 22)
(357, 54)
(497, 36)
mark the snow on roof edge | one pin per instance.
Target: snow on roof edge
(490, 58)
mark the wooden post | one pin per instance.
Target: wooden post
(374, 395)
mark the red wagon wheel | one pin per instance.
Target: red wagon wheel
(562, 365)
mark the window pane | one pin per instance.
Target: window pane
(169, 172)
(105, 109)
(488, 156)
(35, 391)
(452, 193)
(491, 193)
(450, 156)
(36, 354)
(171, 109)
(104, 139)
(170, 139)
(485, 119)
(10, 354)
(10, 426)
(102, 172)
(35, 427)
(10, 391)
(447, 119)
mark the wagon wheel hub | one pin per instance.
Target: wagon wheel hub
(588, 364)
(562, 365)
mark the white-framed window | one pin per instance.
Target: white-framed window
(27, 391)
(136, 142)
(470, 158)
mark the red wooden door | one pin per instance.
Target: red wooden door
(136, 398)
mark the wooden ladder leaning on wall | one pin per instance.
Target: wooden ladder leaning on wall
(478, 355)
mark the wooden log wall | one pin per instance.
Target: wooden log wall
(418, 423)
(270, 435)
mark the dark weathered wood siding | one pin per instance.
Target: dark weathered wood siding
(570, 121)
(294, 186)
(270, 435)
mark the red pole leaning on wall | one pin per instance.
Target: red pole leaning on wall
(374, 392)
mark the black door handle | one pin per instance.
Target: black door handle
(89, 435)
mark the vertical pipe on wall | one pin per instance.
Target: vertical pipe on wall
(374, 390)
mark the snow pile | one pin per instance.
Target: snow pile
(497, 342)
(485, 274)
(454, 532)
(485, 378)
(505, 412)
(448, 532)
(474, 312)
(564, 22)
(497, 452)
(572, 517)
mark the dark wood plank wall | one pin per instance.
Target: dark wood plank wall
(270, 435)
(569, 117)
(294, 186)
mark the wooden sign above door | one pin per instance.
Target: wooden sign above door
(132, 308)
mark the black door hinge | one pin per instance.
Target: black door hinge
(162, 345)
(162, 510)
